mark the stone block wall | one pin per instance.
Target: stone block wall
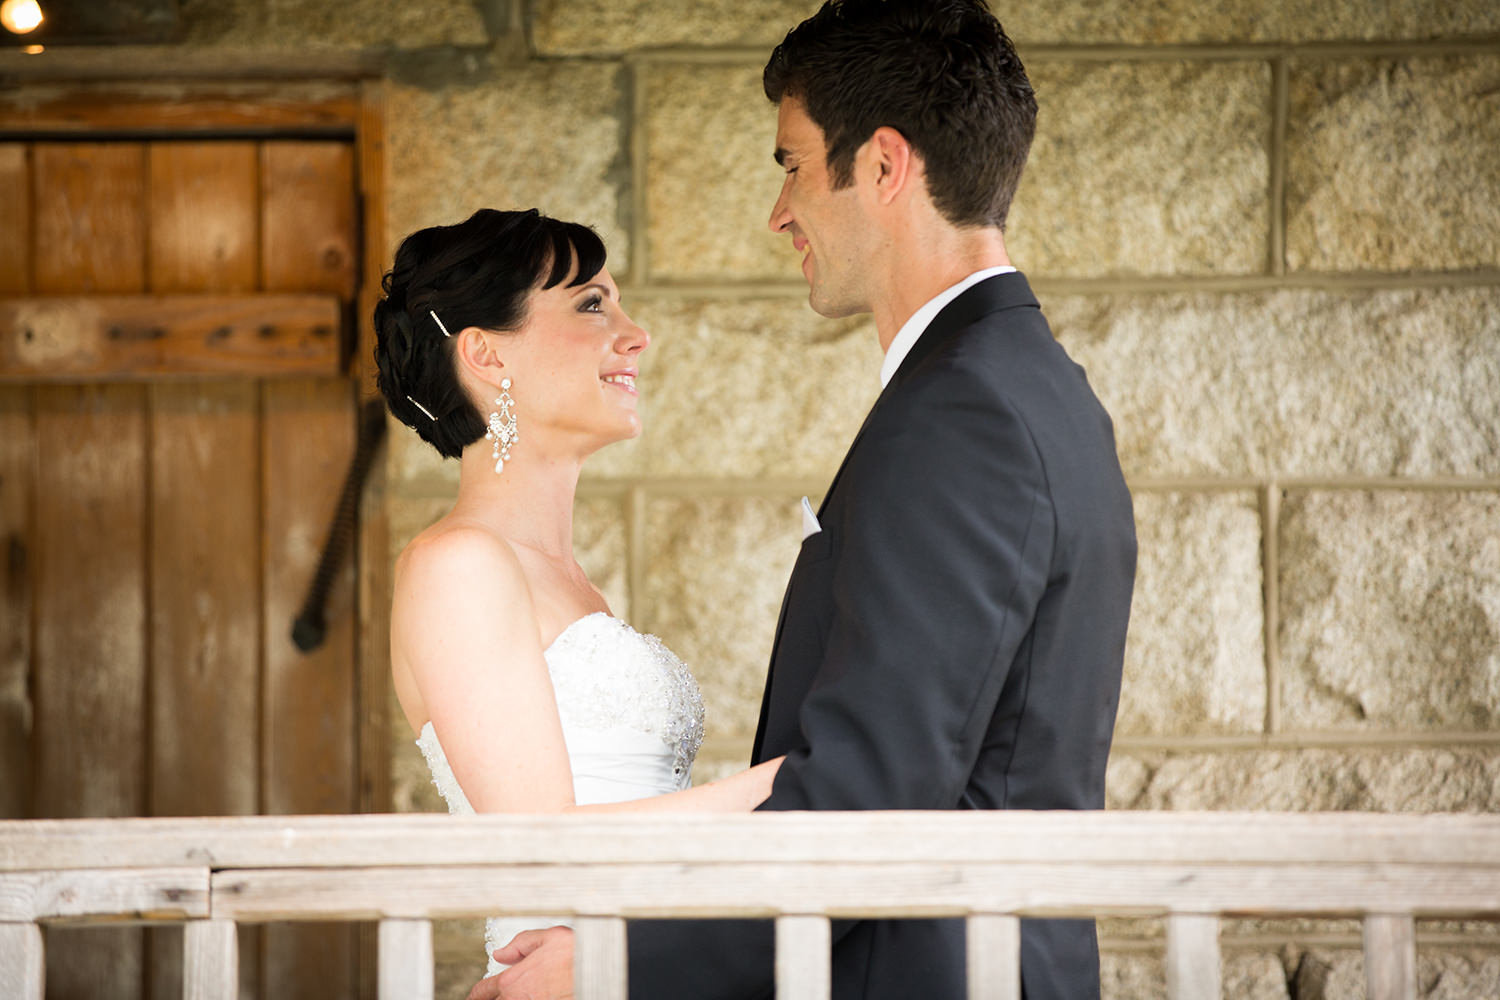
(1269, 230)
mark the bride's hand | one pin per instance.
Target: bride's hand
(764, 774)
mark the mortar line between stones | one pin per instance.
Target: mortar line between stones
(1280, 111)
(689, 288)
(1306, 741)
(640, 273)
(1144, 52)
(1271, 591)
(635, 554)
(1230, 941)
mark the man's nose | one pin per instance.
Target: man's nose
(781, 217)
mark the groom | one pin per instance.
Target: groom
(953, 630)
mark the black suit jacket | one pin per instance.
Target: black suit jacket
(951, 639)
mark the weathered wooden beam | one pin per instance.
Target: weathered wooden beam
(803, 963)
(22, 963)
(180, 108)
(133, 337)
(893, 889)
(1193, 957)
(877, 837)
(994, 957)
(211, 957)
(599, 958)
(1390, 957)
(149, 894)
(405, 960)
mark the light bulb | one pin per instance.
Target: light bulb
(20, 16)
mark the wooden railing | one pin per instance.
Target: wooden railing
(798, 868)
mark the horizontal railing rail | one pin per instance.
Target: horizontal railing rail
(799, 869)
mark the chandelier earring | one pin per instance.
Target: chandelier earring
(502, 426)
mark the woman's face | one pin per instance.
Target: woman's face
(574, 366)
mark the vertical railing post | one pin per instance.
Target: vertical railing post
(210, 960)
(1390, 957)
(599, 958)
(1193, 957)
(803, 958)
(994, 949)
(405, 959)
(22, 970)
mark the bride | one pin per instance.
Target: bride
(502, 342)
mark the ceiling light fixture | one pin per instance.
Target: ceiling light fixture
(21, 17)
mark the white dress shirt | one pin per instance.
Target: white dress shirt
(920, 320)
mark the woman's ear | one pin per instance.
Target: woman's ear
(478, 355)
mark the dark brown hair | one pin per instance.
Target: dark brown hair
(940, 72)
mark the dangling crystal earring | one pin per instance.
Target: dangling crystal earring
(503, 426)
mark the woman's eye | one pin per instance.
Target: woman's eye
(594, 303)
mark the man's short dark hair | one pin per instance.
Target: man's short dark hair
(940, 72)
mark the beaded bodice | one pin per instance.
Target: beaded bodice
(613, 686)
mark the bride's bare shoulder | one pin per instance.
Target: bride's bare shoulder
(454, 549)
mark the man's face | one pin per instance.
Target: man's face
(826, 226)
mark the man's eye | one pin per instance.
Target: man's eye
(791, 170)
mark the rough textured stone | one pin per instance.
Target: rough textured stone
(1402, 779)
(623, 25)
(1390, 610)
(1146, 168)
(1142, 975)
(1294, 383)
(1442, 974)
(1391, 165)
(351, 24)
(710, 180)
(716, 571)
(747, 388)
(560, 26)
(546, 135)
(1194, 658)
(414, 465)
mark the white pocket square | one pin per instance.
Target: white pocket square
(810, 525)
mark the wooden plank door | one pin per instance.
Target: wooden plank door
(159, 535)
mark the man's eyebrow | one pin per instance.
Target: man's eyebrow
(780, 156)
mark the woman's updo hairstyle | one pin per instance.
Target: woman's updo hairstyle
(477, 273)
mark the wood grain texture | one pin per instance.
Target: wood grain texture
(15, 218)
(1390, 957)
(90, 220)
(137, 894)
(205, 590)
(144, 337)
(308, 748)
(994, 957)
(1082, 840)
(204, 216)
(599, 958)
(1193, 957)
(803, 963)
(90, 678)
(21, 961)
(210, 961)
(173, 107)
(17, 481)
(406, 962)
(309, 238)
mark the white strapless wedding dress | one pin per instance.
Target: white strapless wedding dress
(632, 718)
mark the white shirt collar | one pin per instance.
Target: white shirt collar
(920, 320)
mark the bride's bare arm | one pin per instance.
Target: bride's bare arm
(463, 620)
(737, 793)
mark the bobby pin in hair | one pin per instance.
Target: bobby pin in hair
(433, 314)
(418, 405)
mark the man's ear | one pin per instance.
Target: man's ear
(477, 352)
(892, 160)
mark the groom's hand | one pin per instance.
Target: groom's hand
(541, 968)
